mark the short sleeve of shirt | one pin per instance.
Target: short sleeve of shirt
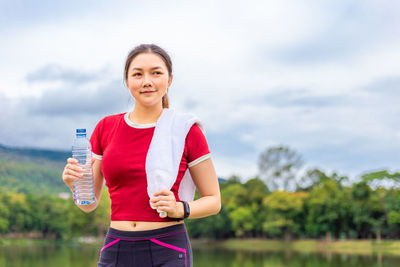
(197, 147)
(95, 141)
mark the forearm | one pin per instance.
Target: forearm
(206, 181)
(204, 206)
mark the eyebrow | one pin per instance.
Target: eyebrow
(157, 67)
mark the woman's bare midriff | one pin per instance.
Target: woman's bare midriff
(140, 225)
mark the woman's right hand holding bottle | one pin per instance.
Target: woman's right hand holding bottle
(72, 172)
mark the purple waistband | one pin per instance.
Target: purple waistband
(148, 234)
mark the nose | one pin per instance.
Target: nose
(146, 80)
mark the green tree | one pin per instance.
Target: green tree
(278, 167)
(283, 211)
(218, 226)
(257, 190)
(19, 217)
(233, 197)
(53, 219)
(380, 175)
(367, 210)
(386, 193)
(327, 208)
(311, 179)
(241, 221)
(243, 203)
(4, 217)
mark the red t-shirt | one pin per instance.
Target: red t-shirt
(122, 146)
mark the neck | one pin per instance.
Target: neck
(144, 115)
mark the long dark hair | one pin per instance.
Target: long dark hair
(150, 48)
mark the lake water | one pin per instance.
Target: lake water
(84, 256)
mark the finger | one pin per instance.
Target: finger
(152, 206)
(76, 174)
(164, 192)
(163, 203)
(154, 202)
(159, 203)
(74, 167)
(72, 161)
(159, 198)
(167, 209)
(69, 178)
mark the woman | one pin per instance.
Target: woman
(138, 236)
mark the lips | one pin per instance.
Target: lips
(147, 92)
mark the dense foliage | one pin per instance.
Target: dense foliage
(326, 209)
(49, 216)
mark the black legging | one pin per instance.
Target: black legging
(168, 247)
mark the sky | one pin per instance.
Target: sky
(320, 77)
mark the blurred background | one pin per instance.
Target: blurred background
(299, 101)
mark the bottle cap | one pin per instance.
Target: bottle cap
(80, 133)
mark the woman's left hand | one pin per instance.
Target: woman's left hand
(164, 200)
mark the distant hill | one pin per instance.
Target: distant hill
(53, 155)
(28, 170)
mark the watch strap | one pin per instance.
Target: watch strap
(186, 211)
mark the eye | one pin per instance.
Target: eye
(157, 72)
(136, 74)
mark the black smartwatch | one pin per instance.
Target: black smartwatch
(186, 211)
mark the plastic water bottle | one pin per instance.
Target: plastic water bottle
(82, 151)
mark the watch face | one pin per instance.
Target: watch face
(186, 209)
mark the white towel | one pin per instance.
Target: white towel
(165, 154)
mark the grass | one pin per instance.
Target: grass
(25, 242)
(360, 247)
(353, 247)
(44, 242)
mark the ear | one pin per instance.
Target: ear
(170, 80)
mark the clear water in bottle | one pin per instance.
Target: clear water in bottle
(82, 151)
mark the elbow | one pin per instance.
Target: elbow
(217, 206)
(88, 208)
(217, 210)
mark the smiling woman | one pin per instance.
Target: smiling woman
(150, 195)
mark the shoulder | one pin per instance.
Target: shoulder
(196, 146)
(105, 128)
(111, 119)
(196, 135)
(195, 131)
(114, 117)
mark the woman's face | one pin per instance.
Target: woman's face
(148, 79)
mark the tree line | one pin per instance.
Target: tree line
(280, 203)
(275, 204)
